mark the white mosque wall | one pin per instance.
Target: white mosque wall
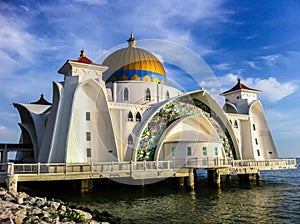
(264, 147)
(50, 124)
(193, 136)
(185, 150)
(91, 136)
(57, 151)
(137, 92)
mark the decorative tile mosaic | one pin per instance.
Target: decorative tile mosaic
(171, 112)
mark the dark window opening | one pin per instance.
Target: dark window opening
(138, 117)
(88, 152)
(87, 116)
(130, 116)
(148, 94)
(126, 94)
(88, 136)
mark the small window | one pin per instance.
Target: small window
(254, 128)
(88, 136)
(87, 116)
(126, 94)
(130, 140)
(167, 95)
(216, 151)
(258, 152)
(138, 117)
(89, 152)
(236, 124)
(173, 151)
(189, 151)
(130, 116)
(256, 141)
(148, 95)
(204, 151)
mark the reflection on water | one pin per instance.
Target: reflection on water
(275, 199)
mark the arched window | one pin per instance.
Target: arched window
(130, 140)
(130, 116)
(138, 117)
(126, 94)
(148, 94)
(167, 95)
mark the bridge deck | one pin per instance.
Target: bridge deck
(137, 170)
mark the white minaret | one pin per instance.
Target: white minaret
(239, 98)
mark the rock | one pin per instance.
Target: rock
(54, 205)
(86, 215)
(40, 202)
(23, 195)
(63, 208)
(7, 221)
(19, 200)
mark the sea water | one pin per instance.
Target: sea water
(274, 199)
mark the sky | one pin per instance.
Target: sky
(258, 41)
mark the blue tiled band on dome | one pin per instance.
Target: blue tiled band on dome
(141, 75)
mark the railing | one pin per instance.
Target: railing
(101, 167)
(129, 167)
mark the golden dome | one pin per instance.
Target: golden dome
(133, 63)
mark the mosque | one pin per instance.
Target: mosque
(124, 110)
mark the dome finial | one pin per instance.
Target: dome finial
(82, 53)
(131, 41)
(239, 79)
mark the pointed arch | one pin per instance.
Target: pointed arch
(130, 140)
(130, 116)
(126, 94)
(167, 95)
(138, 117)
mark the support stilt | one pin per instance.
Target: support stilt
(181, 181)
(12, 183)
(190, 181)
(214, 177)
(257, 176)
(86, 186)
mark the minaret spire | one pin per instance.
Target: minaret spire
(131, 41)
(82, 53)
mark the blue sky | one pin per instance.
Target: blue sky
(258, 41)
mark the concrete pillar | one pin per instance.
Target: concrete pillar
(190, 180)
(86, 186)
(257, 175)
(251, 177)
(214, 177)
(12, 183)
(181, 181)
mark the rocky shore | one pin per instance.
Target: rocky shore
(19, 208)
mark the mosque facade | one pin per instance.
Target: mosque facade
(123, 110)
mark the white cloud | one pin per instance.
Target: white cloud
(8, 135)
(252, 64)
(92, 2)
(223, 66)
(271, 60)
(272, 89)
